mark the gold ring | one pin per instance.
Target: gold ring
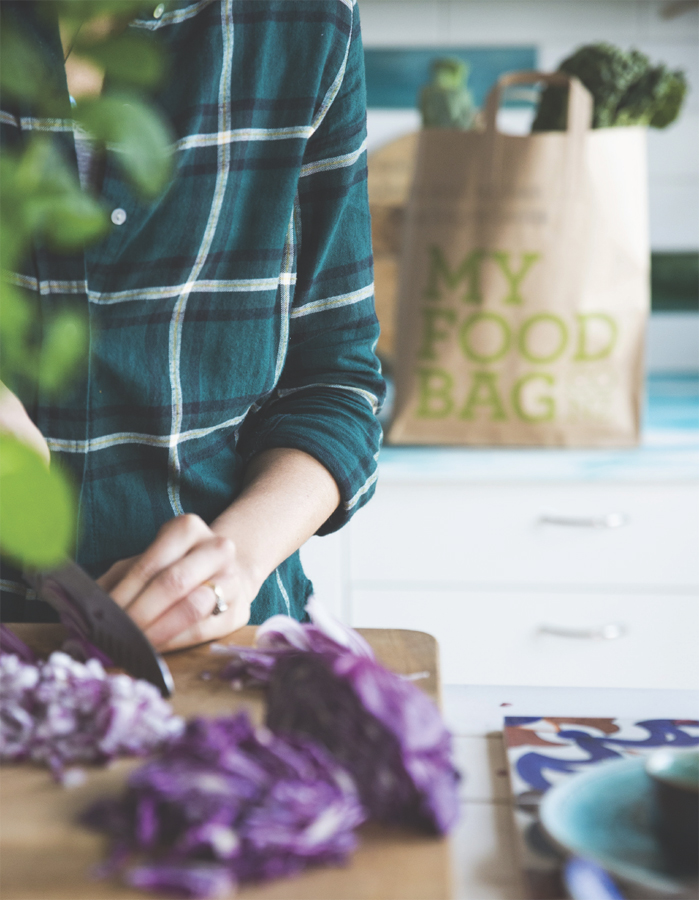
(221, 605)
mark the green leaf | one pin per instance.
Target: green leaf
(42, 169)
(37, 507)
(13, 237)
(72, 219)
(128, 57)
(64, 350)
(22, 71)
(25, 75)
(82, 10)
(136, 133)
(17, 357)
(12, 242)
(14, 315)
(15, 318)
(48, 200)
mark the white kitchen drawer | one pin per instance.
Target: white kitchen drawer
(497, 638)
(469, 535)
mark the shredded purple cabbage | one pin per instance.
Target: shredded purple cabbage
(10, 643)
(62, 712)
(323, 682)
(228, 803)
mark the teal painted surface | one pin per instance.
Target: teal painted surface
(672, 403)
(395, 76)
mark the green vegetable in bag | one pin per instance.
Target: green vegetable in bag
(626, 89)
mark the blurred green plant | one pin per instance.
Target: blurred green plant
(445, 101)
(42, 203)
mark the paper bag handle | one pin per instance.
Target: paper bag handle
(580, 103)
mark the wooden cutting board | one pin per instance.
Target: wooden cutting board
(45, 855)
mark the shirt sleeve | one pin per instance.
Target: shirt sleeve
(331, 389)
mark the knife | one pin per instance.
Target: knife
(90, 613)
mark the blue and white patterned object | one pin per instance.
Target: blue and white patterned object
(542, 751)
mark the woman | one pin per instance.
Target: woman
(229, 411)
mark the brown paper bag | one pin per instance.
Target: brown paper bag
(524, 287)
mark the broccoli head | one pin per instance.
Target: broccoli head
(625, 88)
(655, 99)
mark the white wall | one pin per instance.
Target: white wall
(556, 27)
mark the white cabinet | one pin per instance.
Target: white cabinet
(567, 568)
(564, 534)
(549, 639)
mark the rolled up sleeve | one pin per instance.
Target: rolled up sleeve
(330, 389)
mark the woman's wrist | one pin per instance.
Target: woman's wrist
(286, 497)
(253, 567)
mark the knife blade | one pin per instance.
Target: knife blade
(90, 612)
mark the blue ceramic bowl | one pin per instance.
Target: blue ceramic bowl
(607, 815)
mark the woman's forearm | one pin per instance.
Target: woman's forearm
(287, 496)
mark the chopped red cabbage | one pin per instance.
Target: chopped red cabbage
(183, 880)
(228, 803)
(10, 643)
(323, 682)
(61, 712)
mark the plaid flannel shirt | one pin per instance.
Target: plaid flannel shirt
(235, 312)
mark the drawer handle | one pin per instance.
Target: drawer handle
(612, 631)
(609, 520)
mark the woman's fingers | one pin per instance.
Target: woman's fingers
(166, 636)
(115, 573)
(174, 540)
(165, 589)
(184, 615)
(181, 581)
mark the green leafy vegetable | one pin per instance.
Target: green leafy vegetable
(626, 89)
(446, 102)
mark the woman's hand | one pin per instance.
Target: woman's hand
(15, 420)
(286, 497)
(165, 589)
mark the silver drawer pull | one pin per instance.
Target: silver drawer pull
(612, 631)
(609, 520)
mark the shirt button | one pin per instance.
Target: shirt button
(118, 216)
(159, 10)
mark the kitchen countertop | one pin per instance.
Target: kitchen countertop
(47, 856)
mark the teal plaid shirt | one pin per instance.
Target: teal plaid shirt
(235, 313)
